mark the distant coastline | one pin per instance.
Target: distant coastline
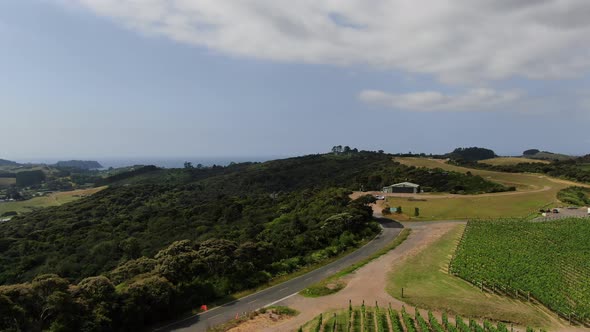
(172, 162)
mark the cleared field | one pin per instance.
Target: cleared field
(474, 207)
(534, 191)
(46, 201)
(500, 161)
(522, 182)
(427, 284)
(7, 181)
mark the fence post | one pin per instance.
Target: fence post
(402, 292)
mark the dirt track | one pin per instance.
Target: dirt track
(366, 284)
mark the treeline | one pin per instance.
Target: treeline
(471, 154)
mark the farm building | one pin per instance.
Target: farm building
(404, 187)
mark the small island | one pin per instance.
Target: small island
(80, 164)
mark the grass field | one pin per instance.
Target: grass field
(501, 161)
(428, 285)
(534, 191)
(46, 201)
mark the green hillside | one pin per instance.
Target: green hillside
(179, 238)
(238, 202)
(546, 155)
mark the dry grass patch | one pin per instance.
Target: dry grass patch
(54, 199)
(501, 161)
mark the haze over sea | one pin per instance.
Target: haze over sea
(165, 162)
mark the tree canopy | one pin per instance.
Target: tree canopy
(471, 154)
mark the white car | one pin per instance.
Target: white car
(378, 197)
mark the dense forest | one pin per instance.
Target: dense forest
(29, 178)
(158, 242)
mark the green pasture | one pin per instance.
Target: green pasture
(501, 161)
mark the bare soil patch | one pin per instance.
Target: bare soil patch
(262, 321)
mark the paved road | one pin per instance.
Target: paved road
(284, 290)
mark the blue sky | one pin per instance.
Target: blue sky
(106, 78)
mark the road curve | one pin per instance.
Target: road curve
(277, 293)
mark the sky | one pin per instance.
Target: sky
(172, 78)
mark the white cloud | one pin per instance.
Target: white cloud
(472, 100)
(456, 41)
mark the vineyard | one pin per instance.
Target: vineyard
(377, 319)
(546, 262)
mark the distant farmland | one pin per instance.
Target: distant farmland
(46, 201)
(501, 161)
(7, 181)
(533, 191)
